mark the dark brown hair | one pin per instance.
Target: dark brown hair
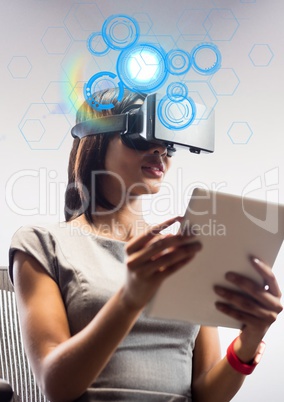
(88, 155)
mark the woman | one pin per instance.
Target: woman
(82, 287)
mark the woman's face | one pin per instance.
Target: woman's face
(132, 171)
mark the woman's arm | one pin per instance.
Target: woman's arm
(213, 379)
(66, 365)
(257, 308)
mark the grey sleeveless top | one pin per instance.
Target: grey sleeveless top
(154, 362)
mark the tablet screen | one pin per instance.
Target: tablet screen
(231, 229)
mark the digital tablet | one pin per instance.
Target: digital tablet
(231, 229)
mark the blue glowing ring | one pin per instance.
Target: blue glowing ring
(95, 79)
(142, 67)
(115, 22)
(169, 118)
(178, 62)
(90, 47)
(177, 91)
(208, 70)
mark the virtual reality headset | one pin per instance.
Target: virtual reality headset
(158, 121)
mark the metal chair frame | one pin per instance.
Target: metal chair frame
(14, 365)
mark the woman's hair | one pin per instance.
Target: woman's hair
(88, 155)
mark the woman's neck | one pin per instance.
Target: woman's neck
(121, 224)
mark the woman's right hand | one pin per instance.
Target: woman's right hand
(151, 258)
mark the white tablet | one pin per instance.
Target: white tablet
(231, 228)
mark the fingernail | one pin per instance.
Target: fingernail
(220, 291)
(256, 260)
(221, 306)
(231, 276)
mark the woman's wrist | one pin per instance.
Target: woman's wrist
(127, 303)
(244, 367)
(246, 346)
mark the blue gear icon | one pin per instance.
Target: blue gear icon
(142, 67)
(177, 91)
(176, 115)
(120, 31)
(99, 82)
(209, 49)
(98, 36)
(178, 61)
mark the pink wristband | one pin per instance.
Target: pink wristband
(238, 365)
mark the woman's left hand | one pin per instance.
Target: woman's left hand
(256, 306)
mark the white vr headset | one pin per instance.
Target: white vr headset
(165, 121)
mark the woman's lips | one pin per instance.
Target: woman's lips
(153, 170)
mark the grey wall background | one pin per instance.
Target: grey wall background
(44, 64)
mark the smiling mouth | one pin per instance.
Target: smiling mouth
(154, 171)
(155, 166)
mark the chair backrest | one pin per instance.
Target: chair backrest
(14, 366)
(6, 392)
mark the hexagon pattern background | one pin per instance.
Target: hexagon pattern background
(46, 63)
(68, 42)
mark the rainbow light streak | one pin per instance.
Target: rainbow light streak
(74, 73)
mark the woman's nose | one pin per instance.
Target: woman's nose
(159, 149)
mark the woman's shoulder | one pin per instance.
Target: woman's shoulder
(37, 241)
(44, 230)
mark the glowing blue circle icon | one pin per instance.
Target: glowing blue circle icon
(100, 82)
(177, 91)
(120, 31)
(176, 115)
(97, 45)
(178, 61)
(142, 67)
(206, 58)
